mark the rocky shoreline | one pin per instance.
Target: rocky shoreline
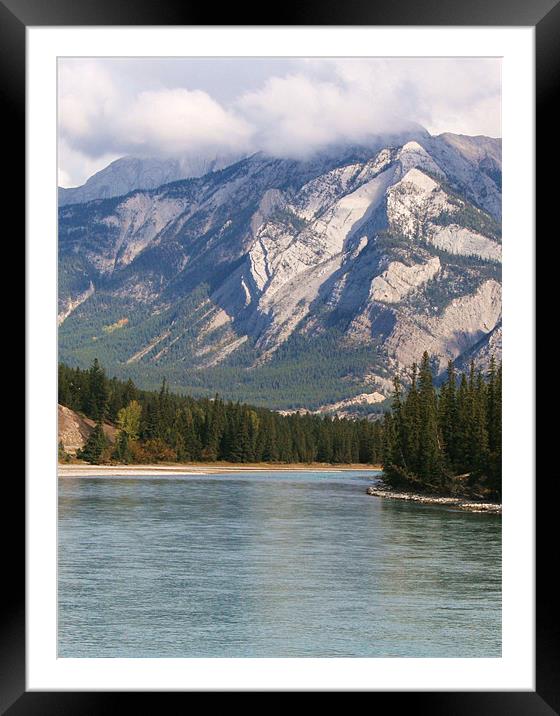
(458, 502)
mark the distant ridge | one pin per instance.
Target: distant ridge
(128, 173)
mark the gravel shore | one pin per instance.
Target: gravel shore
(459, 502)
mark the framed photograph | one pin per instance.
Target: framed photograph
(267, 271)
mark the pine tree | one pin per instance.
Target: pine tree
(97, 392)
(191, 442)
(400, 442)
(430, 454)
(95, 446)
(121, 451)
(391, 451)
(411, 420)
(395, 458)
(462, 432)
(447, 414)
(479, 430)
(458, 433)
(270, 439)
(324, 440)
(494, 427)
(493, 408)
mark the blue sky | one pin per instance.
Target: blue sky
(111, 107)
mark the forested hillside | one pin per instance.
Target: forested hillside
(445, 440)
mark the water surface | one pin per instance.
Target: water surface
(271, 564)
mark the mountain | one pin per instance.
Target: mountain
(129, 173)
(485, 152)
(482, 351)
(290, 283)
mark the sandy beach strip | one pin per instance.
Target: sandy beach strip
(83, 470)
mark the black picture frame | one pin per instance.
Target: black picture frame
(544, 15)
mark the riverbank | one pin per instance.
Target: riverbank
(458, 502)
(200, 468)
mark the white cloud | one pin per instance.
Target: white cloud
(460, 95)
(179, 121)
(296, 115)
(87, 98)
(111, 107)
(98, 118)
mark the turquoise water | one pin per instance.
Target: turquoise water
(269, 564)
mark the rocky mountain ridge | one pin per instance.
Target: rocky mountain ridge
(290, 283)
(129, 173)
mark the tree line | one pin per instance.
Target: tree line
(444, 439)
(447, 440)
(160, 425)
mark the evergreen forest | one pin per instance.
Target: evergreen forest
(440, 439)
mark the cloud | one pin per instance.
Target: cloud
(297, 115)
(98, 119)
(460, 95)
(88, 102)
(111, 107)
(180, 121)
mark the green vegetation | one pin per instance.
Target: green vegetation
(94, 451)
(63, 456)
(160, 425)
(447, 443)
(305, 370)
(466, 214)
(455, 280)
(292, 221)
(471, 218)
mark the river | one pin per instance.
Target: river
(271, 564)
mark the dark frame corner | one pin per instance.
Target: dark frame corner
(544, 15)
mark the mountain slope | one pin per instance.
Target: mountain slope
(129, 173)
(289, 283)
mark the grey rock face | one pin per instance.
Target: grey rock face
(482, 351)
(387, 251)
(128, 173)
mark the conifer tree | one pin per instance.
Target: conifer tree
(97, 393)
(95, 446)
(447, 412)
(430, 454)
(479, 446)
(462, 431)
(411, 419)
(324, 441)
(270, 439)
(494, 426)
(400, 440)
